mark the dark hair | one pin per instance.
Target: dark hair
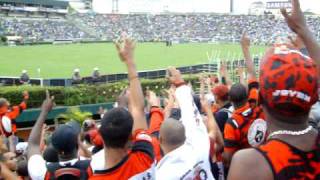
(50, 154)
(22, 168)
(224, 98)
(116, 127)
(175, 113)
(238, 94)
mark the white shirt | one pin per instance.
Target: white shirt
(191, 160)
(98, 161)
(37, 166)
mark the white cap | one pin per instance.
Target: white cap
(96, 69)
(24, 71)
(76, 70)
(22, 147)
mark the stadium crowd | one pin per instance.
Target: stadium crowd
(40, 29)
(146, 27)
(263, 127)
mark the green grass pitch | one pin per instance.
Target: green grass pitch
(58, 61)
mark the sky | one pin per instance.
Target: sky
(218, 6)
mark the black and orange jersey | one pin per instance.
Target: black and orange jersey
(138, 164)
(288, 162)
(12, 113)
(237, 128)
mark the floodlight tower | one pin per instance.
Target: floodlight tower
(231, 6)
(115, 6)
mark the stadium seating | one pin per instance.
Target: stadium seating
(146, 27)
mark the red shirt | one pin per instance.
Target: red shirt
(138, 163)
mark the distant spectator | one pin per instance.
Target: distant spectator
(76, 78)
(24, 78)
(96, 75)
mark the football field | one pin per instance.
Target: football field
(59, 61)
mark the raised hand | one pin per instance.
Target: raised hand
(296, 20)
(25, 95)
(125, 48)
(153, 100)
(245, 40)
(296, 42)
(223, 68)
(48, 103)
(202, 79)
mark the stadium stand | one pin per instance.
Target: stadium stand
(259, 127)
(45, 20)
(146, 27)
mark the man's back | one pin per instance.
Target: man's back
(137, 164)
(191, 159)
(183, 163)
(237, 129)
(289, 162)
(133, 166)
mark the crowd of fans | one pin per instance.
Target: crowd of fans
(262, 127)
(40, 29)
(146, 27)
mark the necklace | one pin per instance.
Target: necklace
(293, 133)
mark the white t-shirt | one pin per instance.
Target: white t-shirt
(37, 166)
(98, 161)
(191, 160)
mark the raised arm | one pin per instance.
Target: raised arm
(190, 116)
(245, 46)
(35, 135)
(136, 98)
(224, 74)
(296, 22)
(170, 103)
(202, 86)
(213, 128)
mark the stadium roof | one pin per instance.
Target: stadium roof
(39, 2)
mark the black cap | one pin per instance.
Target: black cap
(65, 139)
(75, 125)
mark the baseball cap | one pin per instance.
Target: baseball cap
(75, 125)
(21, 147)
(65, 139)
(220, 90)
(288, 82)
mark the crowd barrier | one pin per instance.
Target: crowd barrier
(110, 78)
(154, 74)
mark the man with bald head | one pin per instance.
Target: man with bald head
(172, 135)
(185, 142)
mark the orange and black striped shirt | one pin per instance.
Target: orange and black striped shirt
(290, 163)
(237, 127)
